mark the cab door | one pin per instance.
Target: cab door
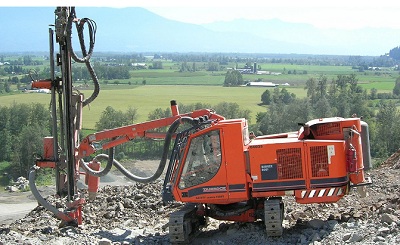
(203, 176)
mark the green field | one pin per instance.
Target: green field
(381, 86)
(163, 85)
(149, 97)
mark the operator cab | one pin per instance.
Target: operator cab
(203, 160)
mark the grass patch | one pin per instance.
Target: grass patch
(45, 177)
(150, 97)
(381, 86)
(377, 162)
(166, 73)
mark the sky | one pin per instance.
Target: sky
(340, 14)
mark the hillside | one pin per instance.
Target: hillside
(138, 217)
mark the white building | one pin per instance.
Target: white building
(261, 84)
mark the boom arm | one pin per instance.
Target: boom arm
(118, 136)
(121, 135)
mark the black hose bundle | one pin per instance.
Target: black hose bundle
(92, 27)
(111, 161)
(168, 138)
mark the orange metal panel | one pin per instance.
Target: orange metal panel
(48, 144)
(45, 164)
(233, 143)
(326, 158)
(276, 165)
(332, 128)
(46, 84)
(284, 164)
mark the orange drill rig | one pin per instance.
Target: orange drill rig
(215, 166)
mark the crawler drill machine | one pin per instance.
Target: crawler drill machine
(215, 165)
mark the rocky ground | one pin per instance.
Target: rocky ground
(134, 214)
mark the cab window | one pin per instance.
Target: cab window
(202, 161)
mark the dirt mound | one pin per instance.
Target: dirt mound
(135, 214)
(393, 161)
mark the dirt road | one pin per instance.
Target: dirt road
(13, 211)
(16, 205)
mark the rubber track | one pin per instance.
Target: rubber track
(273, 216)
(183, 225)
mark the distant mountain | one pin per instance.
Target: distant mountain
(25, 29)
(365, 41)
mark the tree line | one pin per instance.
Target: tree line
(149, 148)
(22, 128)
(340, 97)
(395, 53)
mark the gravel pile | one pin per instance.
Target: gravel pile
(135, 214)
(22, 184)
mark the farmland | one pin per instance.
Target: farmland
(149, 97)
(148, 89)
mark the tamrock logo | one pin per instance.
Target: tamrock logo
(214, 189)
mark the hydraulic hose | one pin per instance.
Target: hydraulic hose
(103, 172)
(172, 129)
(42, 201)
(86, 55)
